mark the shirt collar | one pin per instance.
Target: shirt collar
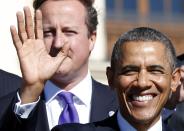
(82, 91)
(157, 126)
(125, 126)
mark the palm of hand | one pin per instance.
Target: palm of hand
(35, 60)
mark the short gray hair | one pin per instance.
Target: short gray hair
(143, 34)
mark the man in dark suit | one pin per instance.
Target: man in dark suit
(8, 82)
(143, 73)
(178, 96)
(54, 59)
(176, 120)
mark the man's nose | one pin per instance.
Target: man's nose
(143, 79)
(59, 41)
(57, 44)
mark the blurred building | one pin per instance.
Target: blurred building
(8, 56)
(165, 15)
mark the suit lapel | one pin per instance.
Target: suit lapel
(165, 125)
(42, 121)
(109, 124)
(103, 101)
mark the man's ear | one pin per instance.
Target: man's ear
(175, 79)
(109, 74)
(92, 40)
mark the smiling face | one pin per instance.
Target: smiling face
(143, 80)
(64, 22)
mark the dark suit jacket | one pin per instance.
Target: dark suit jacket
(8, 83)
(103, 101)
(109, 124)
(176, 121)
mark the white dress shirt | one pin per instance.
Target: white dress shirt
(125, 126)
(54, 105)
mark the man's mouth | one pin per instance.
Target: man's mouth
(142, 98)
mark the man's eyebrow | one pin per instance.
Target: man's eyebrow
(129, 67)
(135, 67)
(70, 27)
(64, 28)
(48, 28)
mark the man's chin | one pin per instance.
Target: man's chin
(144, 118)
(59, 74)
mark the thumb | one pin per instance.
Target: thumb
(62, 54)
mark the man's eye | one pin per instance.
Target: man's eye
(70, 32)
(156, 71)
(128, 72)
(47, 33)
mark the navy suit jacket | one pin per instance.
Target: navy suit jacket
(176, 120)
(104, 100)
(8, 82)
(109, 124)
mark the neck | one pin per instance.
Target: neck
(68, 83)
(145, 125)
(141, 125)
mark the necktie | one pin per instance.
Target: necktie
(69, 113)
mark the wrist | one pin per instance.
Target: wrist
(30, 93)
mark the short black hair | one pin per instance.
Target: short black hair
(143, 34)
(180, 59)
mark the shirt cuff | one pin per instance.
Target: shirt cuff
(23, 110)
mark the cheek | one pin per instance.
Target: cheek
(164, 87)
(122, 84)
(163, 83)
(80, 48)
(125, 82)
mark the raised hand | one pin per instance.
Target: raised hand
(36, 64)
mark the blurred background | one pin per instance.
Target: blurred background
(115, 18)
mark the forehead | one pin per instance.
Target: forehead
(63, 2)
(142, 52)
(63, 8)
(142, 46)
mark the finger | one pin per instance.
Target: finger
(38, 26)
(29, 23)
(65, 49)
(21, 27)
(15, 37)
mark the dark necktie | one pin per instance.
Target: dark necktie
(69, 113)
